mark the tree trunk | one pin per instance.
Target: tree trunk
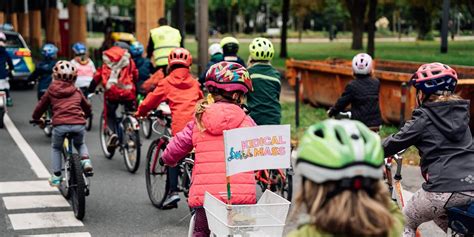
(35, 28)
(357, 10)
(229, 20)
(285, 9)
(147, 12)
(300, 28)
(77, 23)
(24, 26)
(444, 27)
(371, 28)
(52, 23)
(423, 21)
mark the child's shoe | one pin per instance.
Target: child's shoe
(55, 181)
(86, 165)
(9, 102)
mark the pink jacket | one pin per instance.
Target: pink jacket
(209, 165)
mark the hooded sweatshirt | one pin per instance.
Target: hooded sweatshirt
(43, 73)
(209, 163)
(181, 91)
(68, 104)
(5, 60)
(440, 131)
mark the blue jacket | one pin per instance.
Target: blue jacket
(43, 74)
(216, 58)
(5, 60)
(144, 72)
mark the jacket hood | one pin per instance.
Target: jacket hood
(61, 89)
(222, 116)
(115, 53)
(450, 117)
(181, 78)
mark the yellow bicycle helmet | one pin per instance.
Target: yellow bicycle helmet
(261, 49)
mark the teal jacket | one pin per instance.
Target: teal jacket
(264, 101)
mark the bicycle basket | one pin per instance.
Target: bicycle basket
(460, 210)
(266, 218)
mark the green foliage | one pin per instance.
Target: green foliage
(119, 3)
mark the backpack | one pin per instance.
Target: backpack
(124, 89)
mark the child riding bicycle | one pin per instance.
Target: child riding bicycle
(228, 83)
(342, 189)
(70, 108)
(230, 48)
(118, 75)
(143, 65)
(85, 67)
(439, 128)
(182, 92)
(264, 101)
(6, 69)
(362, 94)
(44, 69)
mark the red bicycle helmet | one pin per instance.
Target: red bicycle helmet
(64, 71)
(229, 77)
(434, 77)
(180, 56)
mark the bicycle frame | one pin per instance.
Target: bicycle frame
(264, 177)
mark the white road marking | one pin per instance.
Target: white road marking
(34, 201)
(78, 234)
(35, 163)
(42, 220)
(26, 187)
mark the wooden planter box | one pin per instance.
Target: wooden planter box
(323, 81)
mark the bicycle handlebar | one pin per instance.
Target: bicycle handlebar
(37, 122)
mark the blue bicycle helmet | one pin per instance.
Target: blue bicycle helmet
(136, 49)
(49, 51)
(79, 48)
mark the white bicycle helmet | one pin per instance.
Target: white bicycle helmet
(3, 38)
(362, 64)
(215, 48)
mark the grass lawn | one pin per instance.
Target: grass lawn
(460, 52)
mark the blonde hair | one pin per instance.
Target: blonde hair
(211, 98)
(354, 213)
(445, 97)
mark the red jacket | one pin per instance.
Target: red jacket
(68, 104)
(128, 73)
(182, 93)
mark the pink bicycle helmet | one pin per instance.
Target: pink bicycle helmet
(180, 56)
(434, 78)
(64, 71)
(229, 76)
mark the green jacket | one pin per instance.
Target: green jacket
(311, 231)
(264, 101)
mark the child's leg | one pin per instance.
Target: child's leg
(57, 141)
(79, 140)
(423, 207)
(201, 228)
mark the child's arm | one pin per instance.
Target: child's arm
(343, 101)
(42, 106)
(86, 106)
(153, 99)
(179, 146)
(10, 64)
(95, 80)
(407, 136)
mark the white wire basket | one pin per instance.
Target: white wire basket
(266, 218)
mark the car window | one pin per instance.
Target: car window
(13, 41)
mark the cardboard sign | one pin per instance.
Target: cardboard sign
(257, 148)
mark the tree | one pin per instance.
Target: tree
(285, 12)
(371, 28)
(333, 13)
(301, 9)
(422, 13)
(357, 10)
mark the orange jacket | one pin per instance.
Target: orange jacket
(181, 91)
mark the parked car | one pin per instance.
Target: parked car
(20, 54)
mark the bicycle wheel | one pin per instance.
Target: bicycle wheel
(145, 126)
(155, 174)
(186, 179)
(104, 137)
(89, 122)
(131, 151)
(77, 187)
(2, 113)
(283, 186)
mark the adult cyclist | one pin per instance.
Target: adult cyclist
(162, 41)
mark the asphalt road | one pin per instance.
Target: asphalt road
(118, 204)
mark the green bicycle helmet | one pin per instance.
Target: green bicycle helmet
(230, 45)
(334, 150)
(261, 49)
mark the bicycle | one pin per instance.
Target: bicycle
(3, 107)
(156, 174)
(395, 187)
(278, 181)
(128, 139)
(460, 215)
(75, 184)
